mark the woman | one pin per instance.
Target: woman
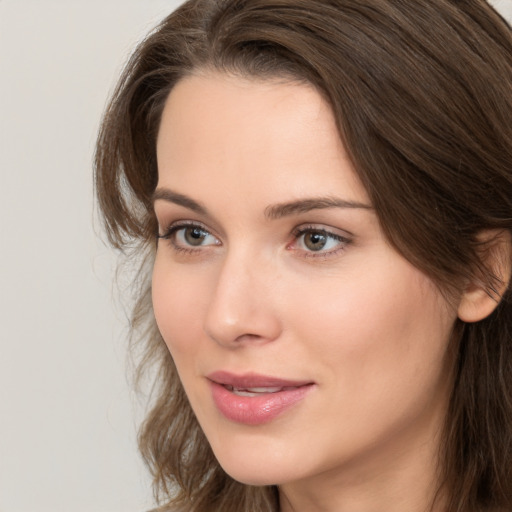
(323, 191)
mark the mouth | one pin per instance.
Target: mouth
(253, 399)
(258, 391)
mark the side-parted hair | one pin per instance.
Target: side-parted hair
(421, 91)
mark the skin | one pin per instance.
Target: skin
(369, 329)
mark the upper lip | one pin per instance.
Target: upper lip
(253, 380)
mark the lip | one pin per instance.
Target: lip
(259, 409)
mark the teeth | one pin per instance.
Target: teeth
(243, 392)
(251, 392)
(263, 390)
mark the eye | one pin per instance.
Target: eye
(189, 236)
(318, 240)
(193, 235)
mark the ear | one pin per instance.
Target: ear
(478, 301)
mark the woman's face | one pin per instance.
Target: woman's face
(306, 344)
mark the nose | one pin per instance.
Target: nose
(243, 306)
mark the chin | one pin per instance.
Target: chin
(253, 475)
(257, 462)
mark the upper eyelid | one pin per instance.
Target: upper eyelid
(328, 234)
(176, 225)
(329, 230)
(166, 225)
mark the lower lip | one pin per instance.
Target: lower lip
(258, 409)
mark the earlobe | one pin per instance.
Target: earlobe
(478, 301)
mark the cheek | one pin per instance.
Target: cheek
(386, 327)
(179, 302)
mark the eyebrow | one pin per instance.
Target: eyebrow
(272, 212)
(168, 195)
(306, 205)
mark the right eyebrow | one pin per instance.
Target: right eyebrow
(166, 194)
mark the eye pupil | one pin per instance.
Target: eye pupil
(315, 241)
(195, 236)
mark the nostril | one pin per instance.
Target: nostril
(257, 328)
(247, 337)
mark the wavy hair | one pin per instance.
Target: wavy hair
(422, 95)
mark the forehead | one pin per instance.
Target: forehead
(245, 132)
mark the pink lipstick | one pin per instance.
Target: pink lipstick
(255, 399)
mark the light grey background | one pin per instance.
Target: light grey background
(67, 425)
(67, 428)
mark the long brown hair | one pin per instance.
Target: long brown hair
(422, 94)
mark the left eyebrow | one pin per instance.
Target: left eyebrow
(278, 211)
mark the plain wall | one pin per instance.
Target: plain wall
(67, 427)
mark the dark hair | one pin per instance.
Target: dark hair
(422, 95)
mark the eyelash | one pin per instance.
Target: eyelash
(304, 230)
(173, 229)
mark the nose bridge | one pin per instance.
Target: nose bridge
(241, 307)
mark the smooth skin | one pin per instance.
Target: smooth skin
(311, 291)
